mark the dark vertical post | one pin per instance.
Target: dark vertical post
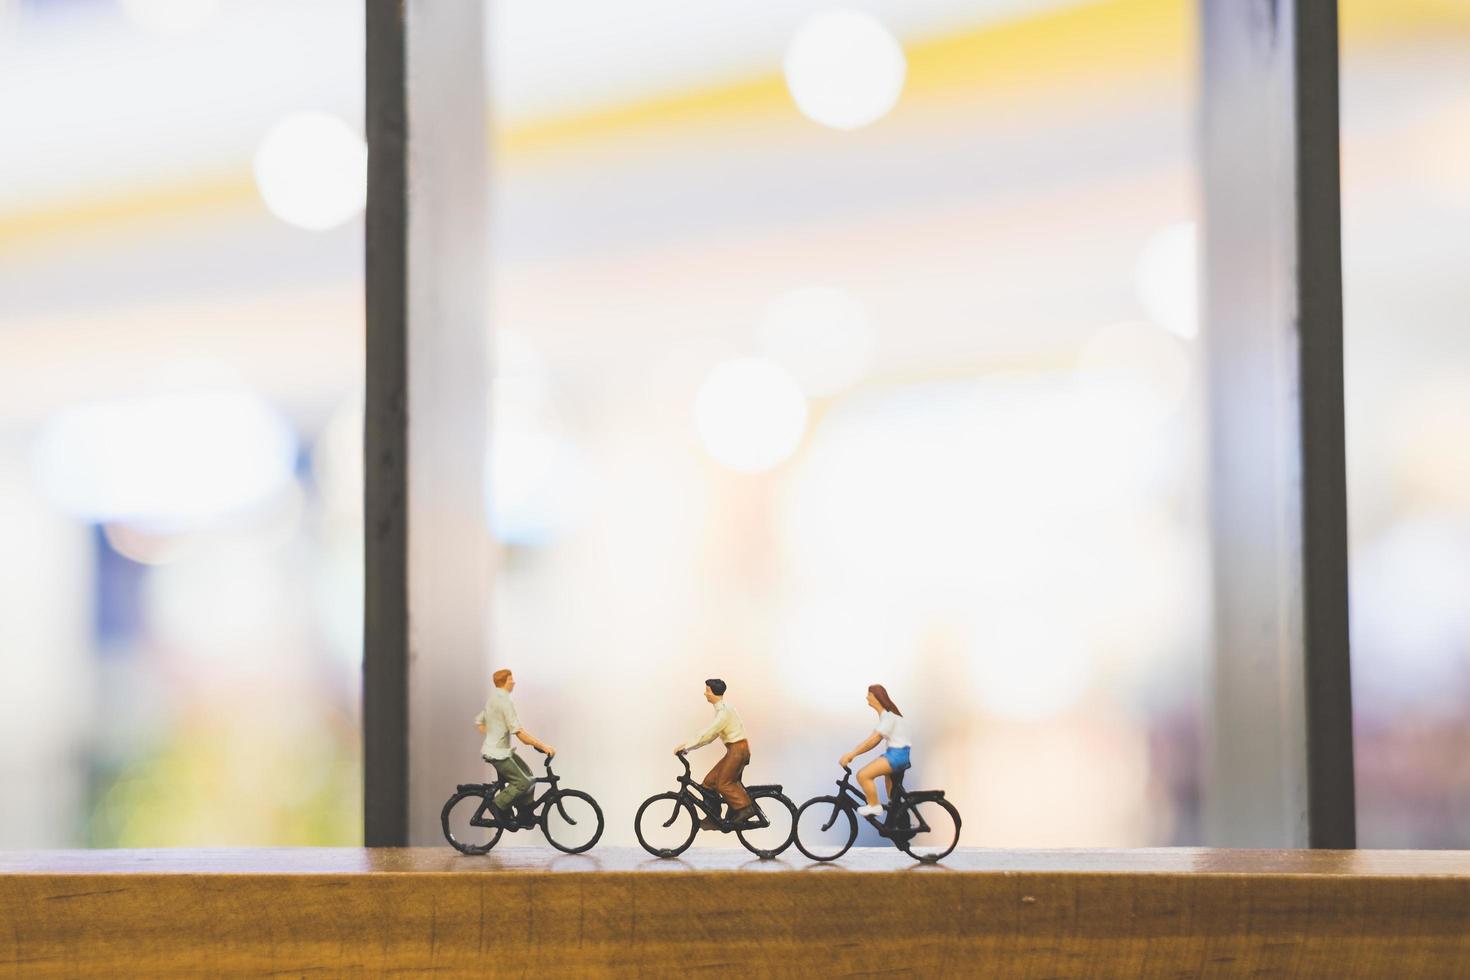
(1332, 815)
(385, 469)
(427, 546)
(1281, 754)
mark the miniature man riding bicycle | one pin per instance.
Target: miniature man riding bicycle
(498, 722)
(725, 776)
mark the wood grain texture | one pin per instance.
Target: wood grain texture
(522, 911)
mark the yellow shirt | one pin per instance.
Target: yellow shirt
(726, 727)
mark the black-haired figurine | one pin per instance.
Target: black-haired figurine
(724, 778)
(891, 728)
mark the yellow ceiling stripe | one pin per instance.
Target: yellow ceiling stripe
(1071, 48)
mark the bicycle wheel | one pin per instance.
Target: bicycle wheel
(934, 830)
(780, 813)
(825, 828)
(572, 821)
(665, 825)
(461, 834)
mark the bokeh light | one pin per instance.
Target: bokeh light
(1411, 613)
(844, 69)
(168, 461)
(821, 334)
(1026, 662)
(534, 471)
(1095, 792)
(311, 171)
(1133, 375)
(170, 17)
(750, 414)
(149, 547)
(1166, 278)
(336, 461)
(833, 645)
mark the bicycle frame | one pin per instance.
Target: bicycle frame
(850, 798)
(708, 802)
(487, 791)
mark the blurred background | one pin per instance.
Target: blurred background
(832, 347)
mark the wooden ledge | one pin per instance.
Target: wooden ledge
(994, 913)
(544, 860)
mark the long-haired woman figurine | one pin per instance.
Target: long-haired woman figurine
(891, 728)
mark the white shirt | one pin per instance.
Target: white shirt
(500, 721)
(726, 726)
(894, 729)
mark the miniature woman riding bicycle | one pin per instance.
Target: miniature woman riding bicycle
(893, 728)
(921, 823)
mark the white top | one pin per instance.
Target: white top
(894, 729)
(726, 726)
(500, 721)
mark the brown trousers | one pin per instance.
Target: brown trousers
(725, 776)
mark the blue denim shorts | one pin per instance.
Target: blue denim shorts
(898, 759)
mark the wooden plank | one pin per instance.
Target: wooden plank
(617, 912)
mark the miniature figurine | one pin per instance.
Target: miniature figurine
(724, 778)
(893, 728)
(498, 722)
(761, 816)
(922, 824)
(478, 813)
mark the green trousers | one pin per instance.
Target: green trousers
(516, 777)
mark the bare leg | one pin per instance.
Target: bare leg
(868, 775)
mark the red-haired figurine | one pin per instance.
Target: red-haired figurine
(498, 722)
(895, 730)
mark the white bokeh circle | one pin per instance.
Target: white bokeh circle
(311, 171)
(750, 414)
(844, 69)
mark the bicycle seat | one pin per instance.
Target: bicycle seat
(473, 787)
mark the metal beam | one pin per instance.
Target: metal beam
(1280, 767)
(426, 546)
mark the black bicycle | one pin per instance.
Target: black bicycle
(924, 825)
(766, 833)
(570, 819)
